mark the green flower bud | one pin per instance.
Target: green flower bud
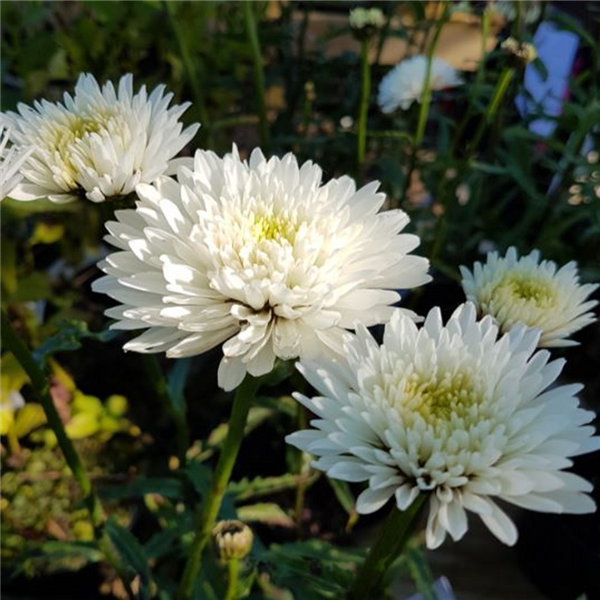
(232, 539)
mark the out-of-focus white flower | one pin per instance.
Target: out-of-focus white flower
(100, 143)
(526, 291)
(454, 413)
(531, 10)
(11, 161)
(524, 51)
(405, 83)
(259, 255)
(461, 7)
(361, 18)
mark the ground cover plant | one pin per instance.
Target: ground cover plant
(268, 284)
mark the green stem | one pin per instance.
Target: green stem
(363, 109)
(40, 387)
(259, 80)
(492, 108)
(212, 502)
(485, 32)
(159, 385)
(393, 536)
(425, 102)
(191, 72)
(233, 575)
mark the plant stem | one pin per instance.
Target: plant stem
(40, 387)
(492, 108)
(212, 502)
(425, 102)
(233, 575)
(259, 80)
(393, 536)
(159, 385)
(191, 72)
(363, 108)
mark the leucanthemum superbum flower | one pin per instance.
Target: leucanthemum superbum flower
(405, 83)
(11, 161)
(526, 291)
(257, 254)
(452, 412)
(99, 143)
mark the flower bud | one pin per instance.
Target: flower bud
(366, 21)
(523, 51)
(232, 539)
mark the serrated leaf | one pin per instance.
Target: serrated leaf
(131, 552)
(265, 512)
(262, 486)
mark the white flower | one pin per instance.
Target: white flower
(531, 10)
(405, 83)
(526, 291)
(10, 163)
(361, 18)
(452, 412)
(259, 255)
(100, 143)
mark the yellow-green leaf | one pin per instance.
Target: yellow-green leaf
(28, 418)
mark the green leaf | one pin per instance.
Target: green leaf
(131, 552)
(420, 572)
(57, 549)
(163, 486)
(176, 382)
(33, 287)
(82, 425)
(67, 338)
(345, 497)
(8, 262)
(263, 486)
(28, 418)
(265, 512)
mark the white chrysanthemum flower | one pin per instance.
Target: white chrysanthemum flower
(531, 10)
(452, 412)
(405, 83)
(259, 255)
(100, 143)
(361, 18)
(526, 291)
(11, 161)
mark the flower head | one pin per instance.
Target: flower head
(10, 162)
(233, 539)
(526, 291)
(531, 10)
(100, 143)
(405, 83)
(452, 412)
(259, 255)
(524, 52)
(366, 21)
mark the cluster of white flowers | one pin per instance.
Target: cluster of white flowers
(405, 83)
(517, 291)
(99, 143)
(452, 412)
(259, 255)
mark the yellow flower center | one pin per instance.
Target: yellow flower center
(438, 398)
(526, 288)
(272, 228)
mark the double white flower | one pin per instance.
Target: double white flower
(452, 412)
(99, 143)
(526, 291)
(259, 255)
